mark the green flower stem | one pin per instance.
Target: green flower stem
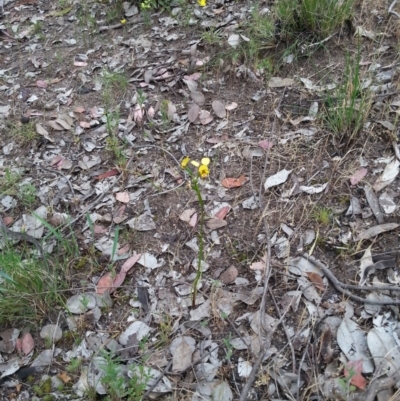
(201, 241)
(200, 235)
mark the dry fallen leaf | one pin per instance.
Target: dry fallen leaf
(198, 97)
(358, 176)
(122, 197)
(234, 182)
(219, 108)
(187, 214)
(107, 174)
(193, 220)
(215, 223)
(64, 377)
(221, 214)
(265, 144)
(193, 113)
(316, 279)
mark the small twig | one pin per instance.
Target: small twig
(162, 374)
(341, 287)
(54, 172)
(321, 42)
(289, 340)
(390, 10)
(379, 385)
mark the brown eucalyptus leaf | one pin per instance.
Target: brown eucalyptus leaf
(63, 123)
(55, 125)
(205, 117)
(147, 76)
(193, 113)
(198, 97)
(42, 131)
(219, 108)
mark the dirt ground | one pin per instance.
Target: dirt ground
(99, 106)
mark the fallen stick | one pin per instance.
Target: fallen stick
(342, 288)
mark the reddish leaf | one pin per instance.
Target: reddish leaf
(355, 367)
(358, 176)
(118, 280)
(98, 229)
(122, 197)
(316, 279)
(105, 284)
(221, 214)
(25, 344)
(265, 144)
(8, 220)
(130, 262)
(107, 174)
(84, 124)
(41, 84)
(234, 182)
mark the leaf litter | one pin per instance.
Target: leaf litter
(119, 166)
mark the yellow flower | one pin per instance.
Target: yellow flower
(204, 171)
(185, 161)
(123, 21)
(205, 161)
(195, 163)
(202, 3)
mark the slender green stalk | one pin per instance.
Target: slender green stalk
(200, 234)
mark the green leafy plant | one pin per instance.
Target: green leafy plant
(229, 347)
(74, 365)
(164, 113)
(117, 385)
(345, 382)
(27, 194)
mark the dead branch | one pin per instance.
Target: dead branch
(390, 10)
(339, 286)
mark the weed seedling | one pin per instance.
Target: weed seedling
(229, 347)
(27, 195)
(322, 215)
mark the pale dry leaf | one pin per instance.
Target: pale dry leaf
(187, 214)
(388, 176)
(279, 178)
(376, 230)
(182, 349)
(353, 343)
(198, 97)
(277, 82)
(358, 176)
(205, 117)
(122, 197)
(215, 223)
(313, 189)
(231, 106)
(193, 113)
(219, 108)
(42, 131)
(234, 40)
